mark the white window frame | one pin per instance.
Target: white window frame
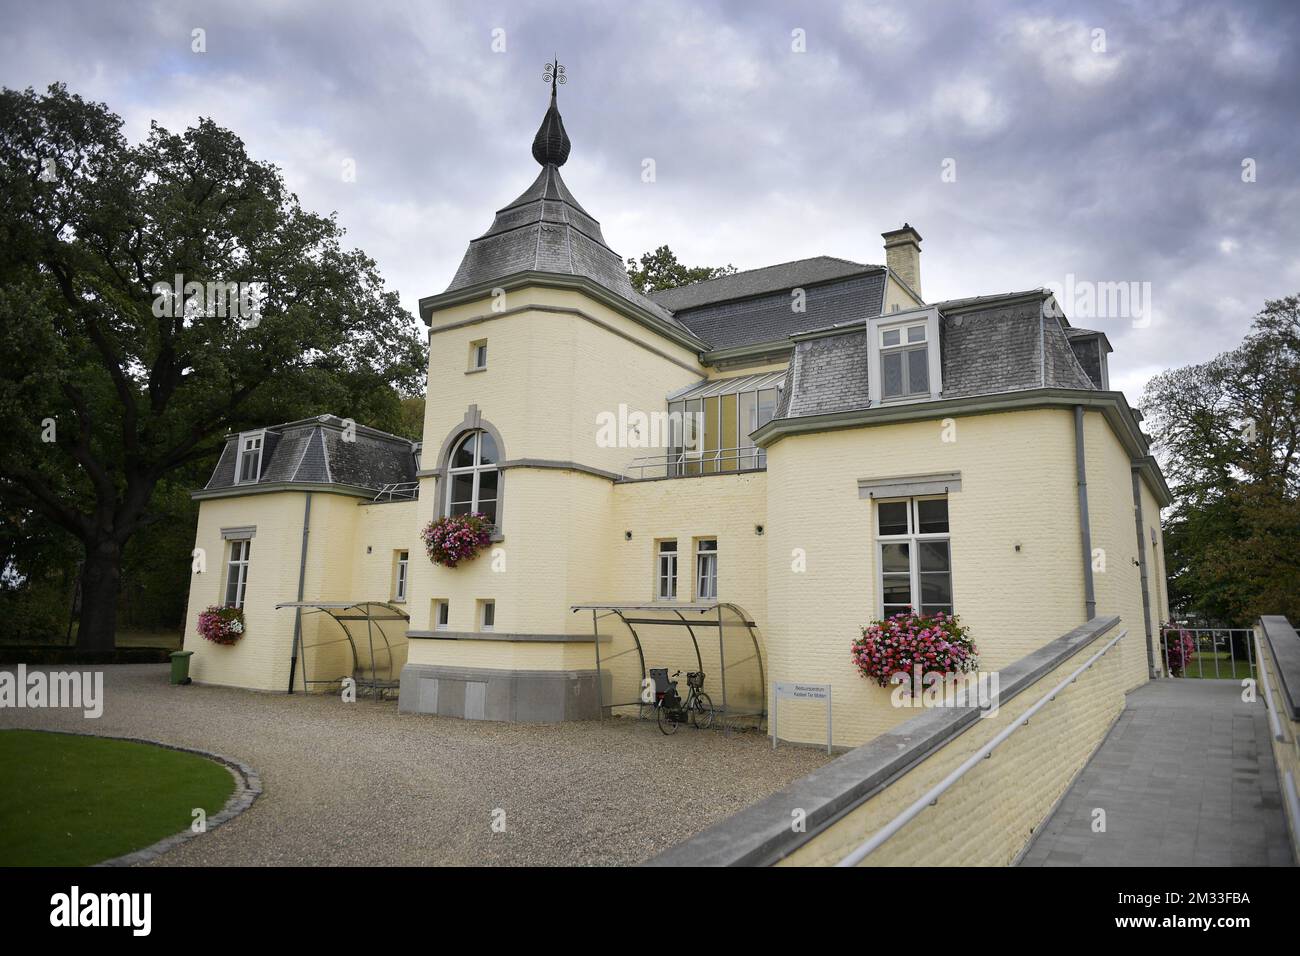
(487, 608)
(403, 571)
(478, 355)
(706, 569)
(913, 538)
(237, 571)
(665, 578)
(441, 609)
(245, 438)
(877, 326)
(477, 469)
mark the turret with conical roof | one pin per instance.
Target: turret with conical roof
(546, 230)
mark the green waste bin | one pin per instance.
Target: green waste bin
(181, 666)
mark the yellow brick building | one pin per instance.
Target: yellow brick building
(810, 446)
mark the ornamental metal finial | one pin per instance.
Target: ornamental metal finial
(553, 73)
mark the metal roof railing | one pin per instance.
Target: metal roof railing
(399, 491)
(685, 463)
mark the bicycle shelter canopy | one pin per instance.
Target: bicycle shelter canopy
(717, 639)
(330, 662)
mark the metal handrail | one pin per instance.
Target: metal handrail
(688, 463)
(399, 491)
(932, 795)
(1215, 633)
(1274, 724)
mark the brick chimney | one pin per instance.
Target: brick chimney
(903, 255)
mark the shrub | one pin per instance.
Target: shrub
(1179, 646)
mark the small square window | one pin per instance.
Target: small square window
(916, 333)
(893, 517)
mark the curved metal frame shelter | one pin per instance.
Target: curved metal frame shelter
(690, 617)
(342, 612)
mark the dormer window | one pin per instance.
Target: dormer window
(248, 465)
(903, 352)
(904, 362)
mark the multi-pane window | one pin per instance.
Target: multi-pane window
(711, 434)
(473, 481)
(706, 569)
(441, 613)
(904, 361)
(403, 564)
(248, 466)
(667, 571)
(237, 572)
(488, 615)
(915, 559)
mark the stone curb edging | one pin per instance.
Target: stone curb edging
(248, 787)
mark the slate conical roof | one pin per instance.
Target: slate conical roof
(546, 230)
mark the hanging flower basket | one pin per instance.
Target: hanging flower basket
(905, 642)
(454, 539)
(222, 625)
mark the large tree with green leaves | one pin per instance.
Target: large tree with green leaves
(1228, 435)
(109, 385)
(660, 270)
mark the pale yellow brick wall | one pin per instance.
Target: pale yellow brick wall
(1117, 577)
(1018, 488)
(1287, 751)
(988, 816)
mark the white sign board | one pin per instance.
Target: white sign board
(795, 690)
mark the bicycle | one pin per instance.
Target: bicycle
(671, 711)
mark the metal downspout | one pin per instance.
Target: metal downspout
(1142, 567)
(302, 579)
(1085, 532)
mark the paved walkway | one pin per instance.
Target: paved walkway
(360, 783)
(1186, 778)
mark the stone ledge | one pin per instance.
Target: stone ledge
(1285, 645)
(760, 835)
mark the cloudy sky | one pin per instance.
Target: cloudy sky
(1032, 144)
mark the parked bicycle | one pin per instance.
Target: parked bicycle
(671, 711)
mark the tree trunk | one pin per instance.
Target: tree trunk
(100, 582)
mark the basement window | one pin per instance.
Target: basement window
(248, 464)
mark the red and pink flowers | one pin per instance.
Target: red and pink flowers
(221, 625)
(456, 538)
(1179, 648)
(909, 642)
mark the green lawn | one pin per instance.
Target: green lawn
(71, 801)
(1202, 665)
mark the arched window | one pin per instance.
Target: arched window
(474, 483)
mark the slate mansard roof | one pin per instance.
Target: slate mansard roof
(315, 451)
(987, 346)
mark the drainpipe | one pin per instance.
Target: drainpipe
(302, 578)
(1085, 532)
(1142, 565)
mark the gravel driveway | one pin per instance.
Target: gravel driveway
(362, 784)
